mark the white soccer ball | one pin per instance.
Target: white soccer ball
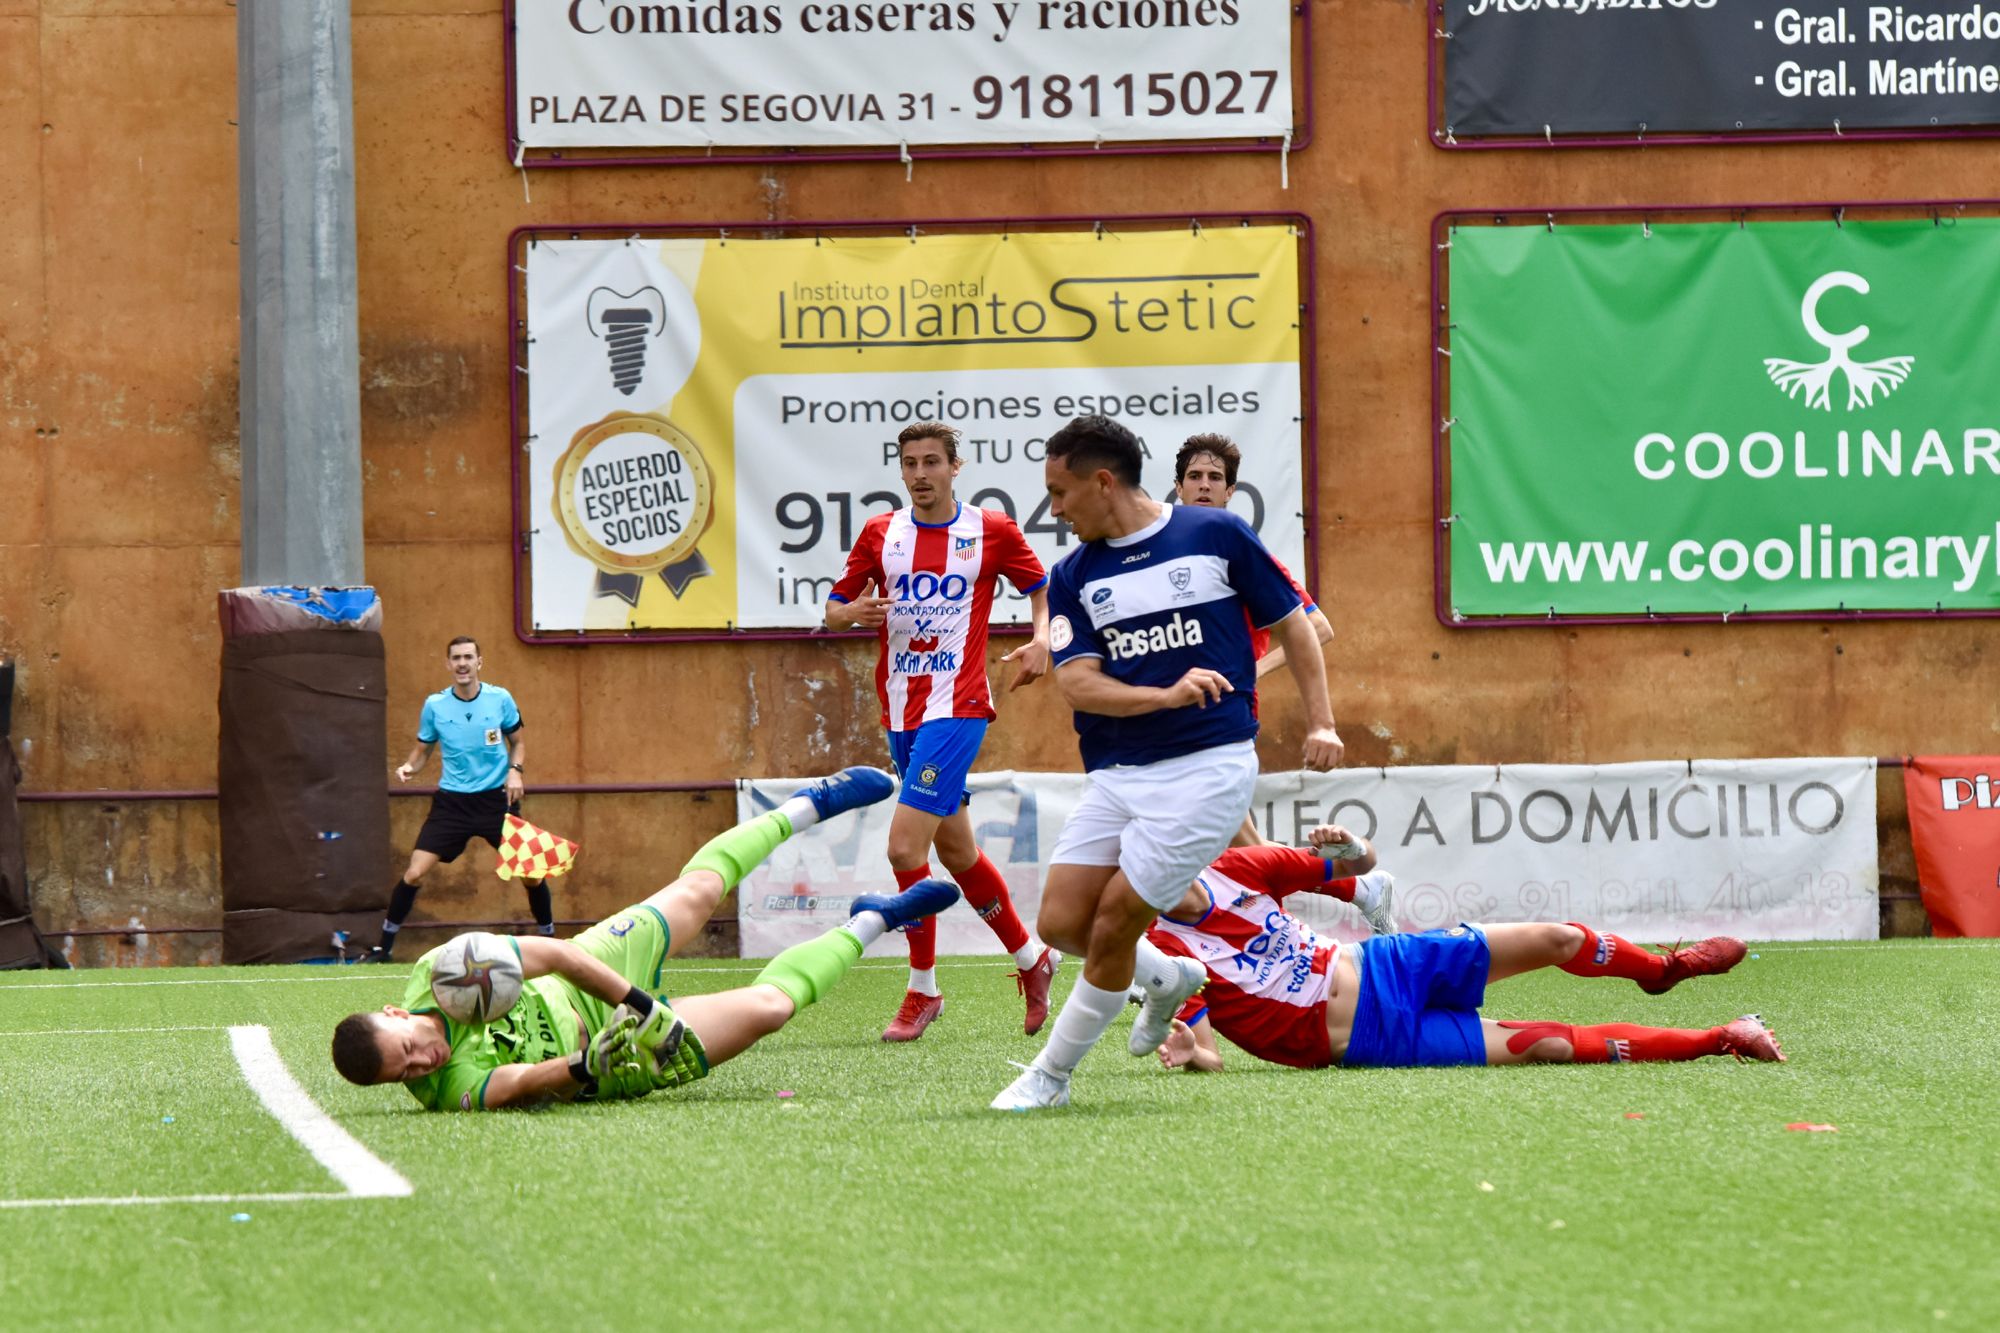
(476, 978)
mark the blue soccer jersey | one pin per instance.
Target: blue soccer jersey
(472, 735)
(1154, 604)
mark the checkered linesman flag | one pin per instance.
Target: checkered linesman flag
(533, 853)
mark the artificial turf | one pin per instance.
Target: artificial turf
(883, 1194)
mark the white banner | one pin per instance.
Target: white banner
(729, 74)
(1766, 849)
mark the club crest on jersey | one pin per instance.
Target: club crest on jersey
(1180, 576)
(962, 546)
(928, 775)
(1180, 632)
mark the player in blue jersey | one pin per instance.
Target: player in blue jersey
(479, 728)
(1150, 630)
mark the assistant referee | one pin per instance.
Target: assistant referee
(479, 727)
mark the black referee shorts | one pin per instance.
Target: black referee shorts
(457, 817)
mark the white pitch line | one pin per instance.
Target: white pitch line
(107, 1032)
(371, 975)
(117, 1200)
(363, 1173)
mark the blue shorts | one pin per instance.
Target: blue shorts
(933, 760)
(1420, 997)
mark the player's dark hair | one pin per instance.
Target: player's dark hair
(1089, 443)
(355, 1053)
(463, 638)
(1219, 446)
(931, 430)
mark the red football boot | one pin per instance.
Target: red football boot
(1706, 958)
(915, 1015)
(1748, 1039)
(1033, 983)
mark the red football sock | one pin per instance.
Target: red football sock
(1614, 1043)
(1342, 888)
(922, 935)
(1610, 956)
(987, 892)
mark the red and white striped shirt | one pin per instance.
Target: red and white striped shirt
(1260, 639)
(940, 578)
(1269, 975)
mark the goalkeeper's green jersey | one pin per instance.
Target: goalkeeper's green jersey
(540, 1026)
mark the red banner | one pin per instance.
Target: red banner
(1955, 827)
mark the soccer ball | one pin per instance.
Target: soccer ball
(476, 978)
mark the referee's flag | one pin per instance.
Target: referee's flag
(533, 853)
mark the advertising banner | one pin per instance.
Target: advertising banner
(1764, 849)
(1542, 69)
(711, 421)
(1723, 417)
(1954, 805)
(705, 74)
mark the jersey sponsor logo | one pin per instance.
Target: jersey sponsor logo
(1180, 632)
(1098, 598)
(925, 663)
(1060, 633)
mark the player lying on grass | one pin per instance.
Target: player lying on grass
(1284, 995)
(592, 1024)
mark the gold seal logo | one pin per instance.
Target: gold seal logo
(634, 497)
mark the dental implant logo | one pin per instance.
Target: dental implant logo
(1814, 379)
(625, 321)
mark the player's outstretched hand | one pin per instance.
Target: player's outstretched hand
(1034, 659)
(869, 610)
(1336, 842)
(404, 773)
(611, 1051)
(1199, 688)
(1323, 749)
(1178, 1048)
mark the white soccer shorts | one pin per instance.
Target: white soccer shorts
(1161, 823)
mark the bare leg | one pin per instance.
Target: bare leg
(1069, 905)
(731, 1022)
(957, 848)
(1543, 1050)
(687, 904)
(911, 832)
(1525, 947)
(1122, 917)
(420, 865)
(1249, 835)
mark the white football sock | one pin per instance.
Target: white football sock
(1085, 1016)
(1367, 892)
(924, 982)
(1152, 970)
(800, 810)
(868, 927)
(1028, 954)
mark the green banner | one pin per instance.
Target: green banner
(1715, 417)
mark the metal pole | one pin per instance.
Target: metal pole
(301, 398)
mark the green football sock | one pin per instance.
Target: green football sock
(736, 853)
(808, 971)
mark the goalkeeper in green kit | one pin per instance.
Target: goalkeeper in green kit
(591, 1023)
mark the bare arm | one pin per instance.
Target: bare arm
(526, 1085)
(1034, 654)
(1191, 1048)
(1087, 689)
(517, 758)
(541, 955)
(1275, 658)
(866, 611)
(415, 763)
(1295, 634)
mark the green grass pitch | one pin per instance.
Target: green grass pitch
(884, 1195)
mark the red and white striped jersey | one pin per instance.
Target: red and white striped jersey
(940, 577)
(1269, 975)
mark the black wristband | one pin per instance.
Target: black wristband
(579, 1073)
(640, 1001)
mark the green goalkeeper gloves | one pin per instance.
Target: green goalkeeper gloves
(609, 1056)
(667, 1048)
